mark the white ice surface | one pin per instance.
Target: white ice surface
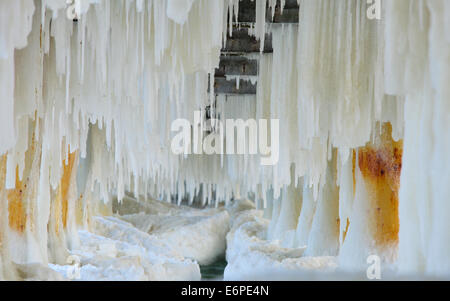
(251, 257)
(168, 244)
(198, 237)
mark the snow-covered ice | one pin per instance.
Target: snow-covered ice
(168, 244)
(251, 256)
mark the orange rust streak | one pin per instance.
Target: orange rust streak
(16, 212)
(65, 185)
(2, 172)
(346, 229)
(380, 167)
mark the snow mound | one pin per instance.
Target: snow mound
(164, 242)
(196, 234)
(118, 251)
(251, 257)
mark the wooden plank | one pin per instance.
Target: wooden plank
(247, 11)
(236, 65)
(224, 86)
(242, 42)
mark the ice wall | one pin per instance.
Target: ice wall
(90, 94)
(341, 82)
(417, 63)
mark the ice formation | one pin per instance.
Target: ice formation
(89, 95)
(163, 242)
(251, 256)
(346, 118)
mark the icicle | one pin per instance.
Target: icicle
(260, 24)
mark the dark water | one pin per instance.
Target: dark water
(214, 271)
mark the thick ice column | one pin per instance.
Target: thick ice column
(438, 260)
(380, 166)
(306, 217)
(346, 178)
(62, 213)
(373, 224)
(276, 209)
(7, 271)
(324, 235)
(22, 220)
(424, 205)
(417, 65)
(284, 225)
(358, 242)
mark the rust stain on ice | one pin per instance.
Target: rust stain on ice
(380, 164)
(17, 217)
(63, 193)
